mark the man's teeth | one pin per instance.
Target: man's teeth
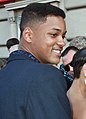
(57, 51)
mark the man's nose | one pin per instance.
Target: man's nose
(61, 42)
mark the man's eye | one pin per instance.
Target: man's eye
(53, 35)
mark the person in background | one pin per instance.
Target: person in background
(12, 44)
(67, 70)
(78, 41)
(2, 63)
(30, 87)
(77, 92)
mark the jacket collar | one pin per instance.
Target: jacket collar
(22, 55)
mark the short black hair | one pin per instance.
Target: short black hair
(79, 59)
(38, 12)
(68, 49)
(12, 41)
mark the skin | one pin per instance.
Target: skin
(67, 59)
(77, 95)
(45, 40)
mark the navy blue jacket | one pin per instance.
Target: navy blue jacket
(32, 90)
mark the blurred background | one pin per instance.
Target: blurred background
(10, 15)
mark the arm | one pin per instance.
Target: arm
(77, 100)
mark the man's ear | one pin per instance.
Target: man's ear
(27, 34)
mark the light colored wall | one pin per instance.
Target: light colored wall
(4, 31)
(4, 26)
(76, 22)
(74, 3)
(4, 52)
(76, 18)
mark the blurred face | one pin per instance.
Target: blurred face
(67, 59)
(47, 40)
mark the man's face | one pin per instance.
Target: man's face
(48, 40)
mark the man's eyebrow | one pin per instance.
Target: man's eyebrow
(57, 29)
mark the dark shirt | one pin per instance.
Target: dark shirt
(32, 90)
(68, 77)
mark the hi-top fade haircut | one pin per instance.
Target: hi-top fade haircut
(38, 12)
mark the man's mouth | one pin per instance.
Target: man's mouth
(58, 52)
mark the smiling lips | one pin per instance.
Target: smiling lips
(57, 52)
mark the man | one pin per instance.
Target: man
(31, 88)
(67, 70)
(12, 44)
(77, 92)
